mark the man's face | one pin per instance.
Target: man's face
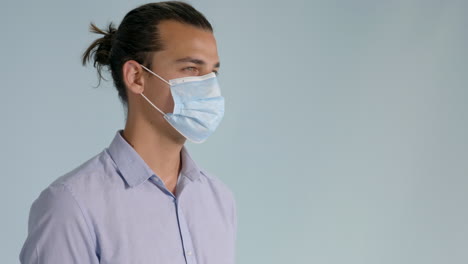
(187, 51)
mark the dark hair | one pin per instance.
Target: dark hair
(136, 38)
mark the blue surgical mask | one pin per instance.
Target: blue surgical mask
(198, 105)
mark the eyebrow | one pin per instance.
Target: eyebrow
(196, 61)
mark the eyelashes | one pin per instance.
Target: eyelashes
(190, 69)
(194, 70)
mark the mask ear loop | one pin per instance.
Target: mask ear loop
(146, 98)
(155, 74)
(153, 104)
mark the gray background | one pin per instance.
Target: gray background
(344, 139)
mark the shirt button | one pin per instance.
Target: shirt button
(189, 253)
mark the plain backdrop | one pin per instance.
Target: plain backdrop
(344, 138)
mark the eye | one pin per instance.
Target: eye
(190, 69)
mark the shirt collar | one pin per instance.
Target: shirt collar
(134, 169)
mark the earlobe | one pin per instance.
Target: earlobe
(133, 77)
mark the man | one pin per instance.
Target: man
(143, 199)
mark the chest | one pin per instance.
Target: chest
(155, 228)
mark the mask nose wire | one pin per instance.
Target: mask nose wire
(146, 98)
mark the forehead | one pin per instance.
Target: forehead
(180, 39)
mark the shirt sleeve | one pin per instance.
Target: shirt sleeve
(234, 216)
(57, 230)
(234, 221)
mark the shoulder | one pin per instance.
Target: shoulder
(224, 194)
(61, 199)
(56, 199)
(94, 178)
(216, 183)
(219, 188)
(59, 196)
(60, 212)
(76, 189)
(88, 170)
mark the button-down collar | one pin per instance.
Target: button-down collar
(133, 168)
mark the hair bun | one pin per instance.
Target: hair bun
(100, 49)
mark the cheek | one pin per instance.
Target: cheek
(169, 102)
(164, 101)
(161, 96)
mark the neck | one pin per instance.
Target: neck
(160, 152)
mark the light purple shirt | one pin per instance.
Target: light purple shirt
(114, 210)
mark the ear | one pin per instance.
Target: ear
(133, 77)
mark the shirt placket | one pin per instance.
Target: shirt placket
(186, 238)
(185, 235)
